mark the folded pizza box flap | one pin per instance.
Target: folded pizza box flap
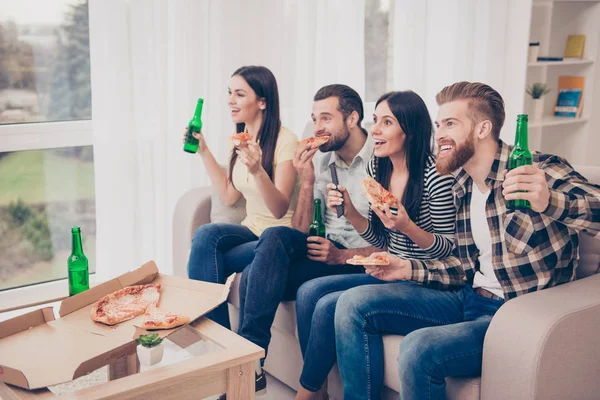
(31, 344)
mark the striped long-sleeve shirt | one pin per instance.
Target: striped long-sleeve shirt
(437, 215)
(530, 250)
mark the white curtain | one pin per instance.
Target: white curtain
(439, 42)
(151, 60)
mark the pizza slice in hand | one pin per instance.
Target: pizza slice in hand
(371, 260)
(241, 139)
(314, 141)
(376, 194)
(156, 319)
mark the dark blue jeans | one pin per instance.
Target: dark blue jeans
(279, 267)
(315, 311)
(219, 250)
(444, 337)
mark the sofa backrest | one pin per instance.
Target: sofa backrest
(589, 246)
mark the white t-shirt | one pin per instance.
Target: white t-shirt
(484, 278)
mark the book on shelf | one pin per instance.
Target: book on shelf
(574, 47)
(569, 99)
(548, 58)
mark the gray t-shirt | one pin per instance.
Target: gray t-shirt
(340, 229)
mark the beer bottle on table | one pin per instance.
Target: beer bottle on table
(520, 155)
(317, 227)
(191, 143)
(79, 278)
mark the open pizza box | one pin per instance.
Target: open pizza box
(37, 350)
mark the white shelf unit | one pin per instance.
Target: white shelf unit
(566, 61)
(552, 21)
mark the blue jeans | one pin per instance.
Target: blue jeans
(315, 310)
(444, 337)
(219, 250)
(279, 267)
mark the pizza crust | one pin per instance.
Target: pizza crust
(125, 304)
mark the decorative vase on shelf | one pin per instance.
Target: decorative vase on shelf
(538, 108)
(150, 349)
(537, 92)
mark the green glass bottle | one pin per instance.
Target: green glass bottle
(520, 155)
(317, 227)
(191, 143)
(79, 278)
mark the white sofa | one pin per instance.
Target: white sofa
(544, 345)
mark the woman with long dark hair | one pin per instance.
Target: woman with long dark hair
(260, 170)
(419, 226)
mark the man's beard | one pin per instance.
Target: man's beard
(336, 141)
(462, 154)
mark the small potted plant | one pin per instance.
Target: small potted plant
(536, 91)
(150, 349)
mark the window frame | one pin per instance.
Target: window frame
(42, 136)
(45, 135)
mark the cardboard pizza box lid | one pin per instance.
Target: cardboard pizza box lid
(37, 350)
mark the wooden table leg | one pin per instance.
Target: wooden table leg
(123, 366)
(241, 382)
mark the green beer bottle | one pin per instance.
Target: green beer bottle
(191, 143)
(78, 265)
(317, 227)
(520, 155)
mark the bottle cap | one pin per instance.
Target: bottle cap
(75, 229)
(523, 116)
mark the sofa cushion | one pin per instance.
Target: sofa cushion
(219, 212)
(589, 255)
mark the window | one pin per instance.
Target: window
(46, 157)
(378, 49)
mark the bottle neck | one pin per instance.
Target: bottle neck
(198, 112)
(76, 243)
(521, 136)
(317, 212)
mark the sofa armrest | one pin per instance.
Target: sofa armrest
(545, 345)
(191, 211)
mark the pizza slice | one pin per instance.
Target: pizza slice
(376, 194)
(241, 139)
(156, 319)
(125, 304)
(371, 260)
(314, 141)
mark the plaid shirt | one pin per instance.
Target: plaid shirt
(530, 250)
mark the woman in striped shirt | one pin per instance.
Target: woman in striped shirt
(420, 225)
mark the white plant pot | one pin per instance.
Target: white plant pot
(537, 108)
(150, 355)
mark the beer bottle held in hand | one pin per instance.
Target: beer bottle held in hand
(79, 277)
(520, 155)
(317, 227)
(191, 143)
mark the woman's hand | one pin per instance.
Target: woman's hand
(337, 196)
(250, 155)
(399, 222)
(397, 269)
(202, 147)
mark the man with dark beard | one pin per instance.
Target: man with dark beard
(499, 254)
(285, 257)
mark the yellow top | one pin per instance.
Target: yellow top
(258, 217)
